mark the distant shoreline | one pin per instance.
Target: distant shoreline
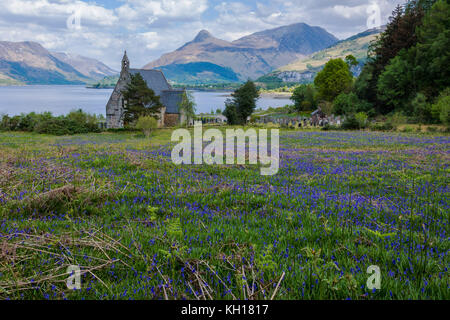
(271, 95)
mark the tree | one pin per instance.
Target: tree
(351, 61)
(418, 72)
(393, 85)
(187, 106)
(334, 79)
(421, 108)
(349, 103)
(242, 104)
(147, 124)
(432, 53)
(230, 112)
(440, 110)
(139, 100)
(303, 97)
(361, 118)
(400, 34)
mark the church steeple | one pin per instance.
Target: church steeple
(125, 62)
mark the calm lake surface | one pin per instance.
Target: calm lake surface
(62, 99)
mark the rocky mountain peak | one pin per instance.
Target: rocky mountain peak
(202, 36)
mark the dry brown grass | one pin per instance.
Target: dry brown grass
(18, 250)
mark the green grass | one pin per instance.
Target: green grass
(143, 228)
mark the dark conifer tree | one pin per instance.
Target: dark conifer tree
(139, 100)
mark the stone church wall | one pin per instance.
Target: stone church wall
(171, 119)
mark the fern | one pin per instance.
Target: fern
(174, 229)
(153, 213)
(381, 235)
(264, 261)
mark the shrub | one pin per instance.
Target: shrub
(444, 116)
(440, 110)
(421, 108)
(147, 124)
(348, 103)
(75, 122)
(396, 119)
(328, 127)
(345, 103)
(384, 126)
(350, 123)
(361, 118)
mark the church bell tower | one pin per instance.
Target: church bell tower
(125, 62)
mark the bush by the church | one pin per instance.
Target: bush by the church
(75, 122)
(147, 124)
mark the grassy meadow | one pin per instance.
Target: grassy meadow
(143, 228)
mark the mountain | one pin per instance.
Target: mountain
(30, 63)
(249, 57)
(305, 69)
(88, 67)
(199, 73)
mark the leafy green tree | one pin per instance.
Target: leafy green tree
(393, 85)
(147, 124)
(440, 110)
(349, 103)
(431, 56)
(303, 97)
(444, 116)
(242, 104)
(351, 60)
(334, 79)
(361, 118)
(421, 108)
(400, 34)
(139, 100)
(422, 67)
(187, 106)
(230, 112)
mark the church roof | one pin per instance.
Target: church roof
(171, 100)
(155, 80)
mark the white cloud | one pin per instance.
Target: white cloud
(55, 13)
(146, 12)
(349, 12)
(149, 28)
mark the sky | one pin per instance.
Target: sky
(103, 29)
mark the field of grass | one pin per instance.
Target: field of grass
(143, 228)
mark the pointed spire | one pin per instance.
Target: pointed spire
(125, 61)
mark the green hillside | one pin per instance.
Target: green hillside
(304, 70)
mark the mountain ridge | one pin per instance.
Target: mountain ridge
(89, 67)
(305, 69)
(253, 55)
(28, 62)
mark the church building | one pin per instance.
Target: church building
(170, 98)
